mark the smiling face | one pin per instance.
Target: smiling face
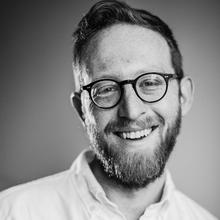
(132, 140)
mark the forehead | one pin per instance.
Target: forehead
(125, 49)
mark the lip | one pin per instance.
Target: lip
(134, 128)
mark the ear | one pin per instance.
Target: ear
(76, 102)
(186, 94)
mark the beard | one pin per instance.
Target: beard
(133, 170)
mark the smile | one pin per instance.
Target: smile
(136, 135)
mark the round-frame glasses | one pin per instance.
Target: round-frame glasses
(149, 87)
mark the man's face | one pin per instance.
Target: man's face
(124, 52)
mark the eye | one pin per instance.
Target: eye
(104, 89)
(150, 83)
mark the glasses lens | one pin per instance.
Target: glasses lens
(151, 87)
(105, 93)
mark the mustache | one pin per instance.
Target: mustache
(124, 124)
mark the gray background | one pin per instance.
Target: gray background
(40, 133)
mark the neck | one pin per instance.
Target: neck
(131, 202)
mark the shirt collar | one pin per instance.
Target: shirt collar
(84, 174)
(169, 187)
(160, 207)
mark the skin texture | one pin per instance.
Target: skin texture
(124, 52)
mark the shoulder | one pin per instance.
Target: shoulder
(45, 183)
(38, 194)
(189, 208)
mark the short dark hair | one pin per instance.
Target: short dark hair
(106, 13)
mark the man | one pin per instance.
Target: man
(131, 94)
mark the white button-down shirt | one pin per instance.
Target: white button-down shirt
(76, 195)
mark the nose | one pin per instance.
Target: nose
(131, 106)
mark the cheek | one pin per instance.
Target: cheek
(168, 107)
(87, 109)
(95, 116)
(102, 117)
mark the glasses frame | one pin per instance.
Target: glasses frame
(166, 76)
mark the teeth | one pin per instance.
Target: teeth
(124, 135)
(136, 134)
(133, 135)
